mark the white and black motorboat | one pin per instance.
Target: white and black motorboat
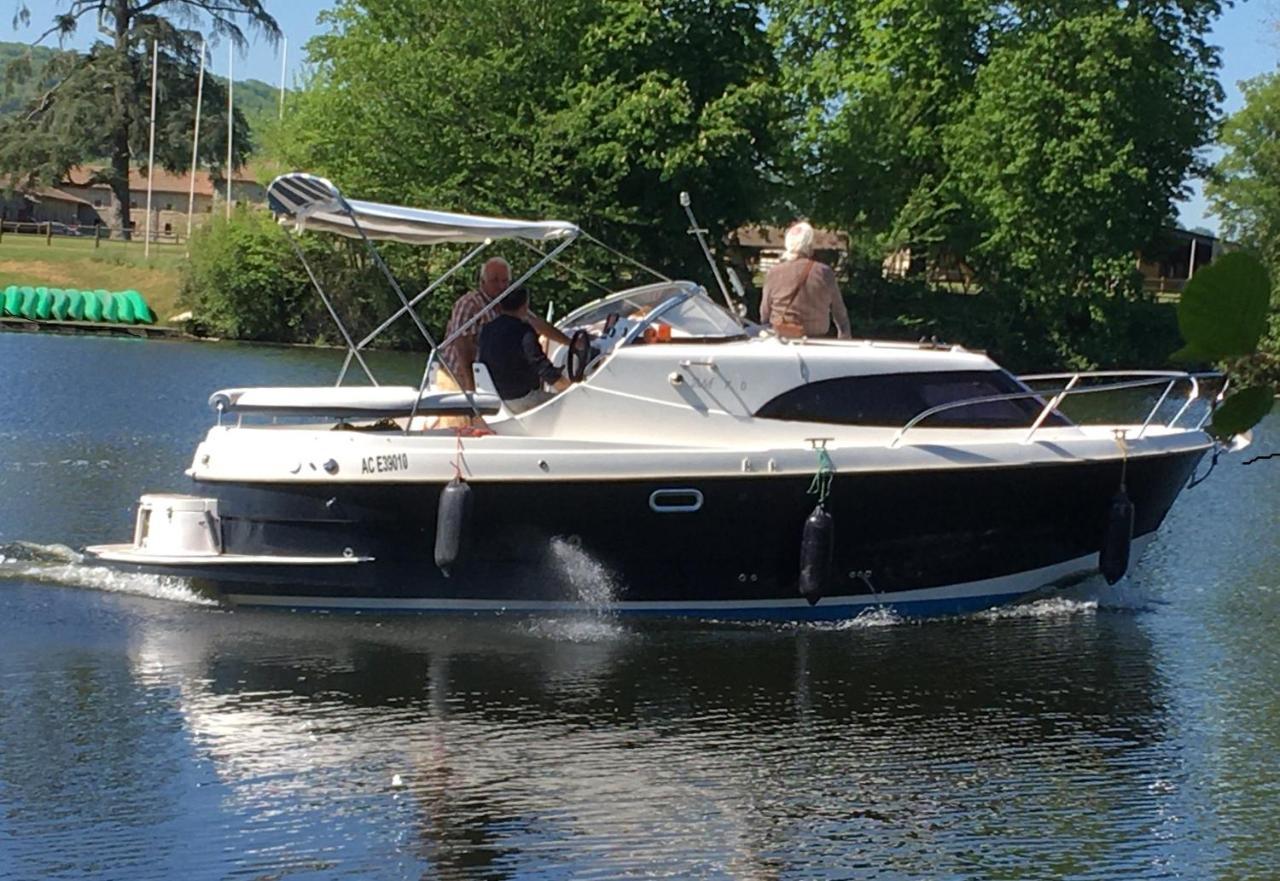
(711, 467)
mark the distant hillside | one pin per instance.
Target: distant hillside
(258, 101)
(13, 97)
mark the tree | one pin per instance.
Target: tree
(598, 111)
(1042, 142)
(1244, 190)
(97, 104)
(1075, 140)
(874, 87)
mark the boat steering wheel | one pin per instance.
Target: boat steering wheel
(578, 355)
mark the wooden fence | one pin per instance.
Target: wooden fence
(49, 230)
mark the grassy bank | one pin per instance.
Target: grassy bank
(74, 262)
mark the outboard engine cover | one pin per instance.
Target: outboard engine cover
(1113, 559)
(816, 549)
(451, 524)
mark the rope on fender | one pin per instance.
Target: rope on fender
(457, 457)
(1121, 436)
(821, 484)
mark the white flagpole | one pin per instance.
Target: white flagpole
(151, 150)
(195, 146)
(231, 64)
(284, 54)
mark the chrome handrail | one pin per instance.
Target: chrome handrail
(1168, 378)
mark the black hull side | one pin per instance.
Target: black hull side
(896, 533)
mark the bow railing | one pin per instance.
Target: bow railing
(1166, 381)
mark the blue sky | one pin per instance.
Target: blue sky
(1249, 34)
(297, 20)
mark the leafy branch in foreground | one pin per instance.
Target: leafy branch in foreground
(1222, 316)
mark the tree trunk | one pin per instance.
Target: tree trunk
(120, 136)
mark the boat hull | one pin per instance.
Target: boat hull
(925, 542)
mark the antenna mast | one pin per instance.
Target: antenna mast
(695, 230)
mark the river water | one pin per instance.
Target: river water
(148, 734)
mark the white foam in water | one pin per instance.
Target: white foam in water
(872, 616)
(579, 629)
(875, 616)
(1049, 607)
(60, 565)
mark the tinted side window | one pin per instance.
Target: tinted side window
(893, 399)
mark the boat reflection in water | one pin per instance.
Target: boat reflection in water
(504, 749)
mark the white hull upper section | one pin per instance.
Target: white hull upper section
(671, 410)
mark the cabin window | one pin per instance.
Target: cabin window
(894, 399)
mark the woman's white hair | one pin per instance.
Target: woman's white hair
(799, 241)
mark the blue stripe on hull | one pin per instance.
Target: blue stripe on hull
(820, 612)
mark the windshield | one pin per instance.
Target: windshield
(675, 310)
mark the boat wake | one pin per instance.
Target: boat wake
(59, 565)
(1049, 607)
(1086, 598)
(869, 618)
(877, 616)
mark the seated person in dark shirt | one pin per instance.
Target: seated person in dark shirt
(509, 349)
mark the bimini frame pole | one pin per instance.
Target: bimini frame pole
(404, 301)
(426, 372)
(569, 240)
(470, 255)
(351, 346)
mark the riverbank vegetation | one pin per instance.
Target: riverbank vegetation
(75, 262)
(1036, 149)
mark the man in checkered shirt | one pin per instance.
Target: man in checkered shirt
(495, 277)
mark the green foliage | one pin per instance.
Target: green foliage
(1073, 330)
(1223, 311)
(1242, 411)
(875, 83)
(1074, 141)
(1222, 315)
(256, 101)
(597, 111)
(97, 104)
(20, 94)
(1042, 143)
(244, 281)
(1244, 189)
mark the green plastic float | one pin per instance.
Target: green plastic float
(92, 306)
(58, 304)
(124, 307)
(109, 305)
(28, 309)
(75, 305)
(142, 313)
